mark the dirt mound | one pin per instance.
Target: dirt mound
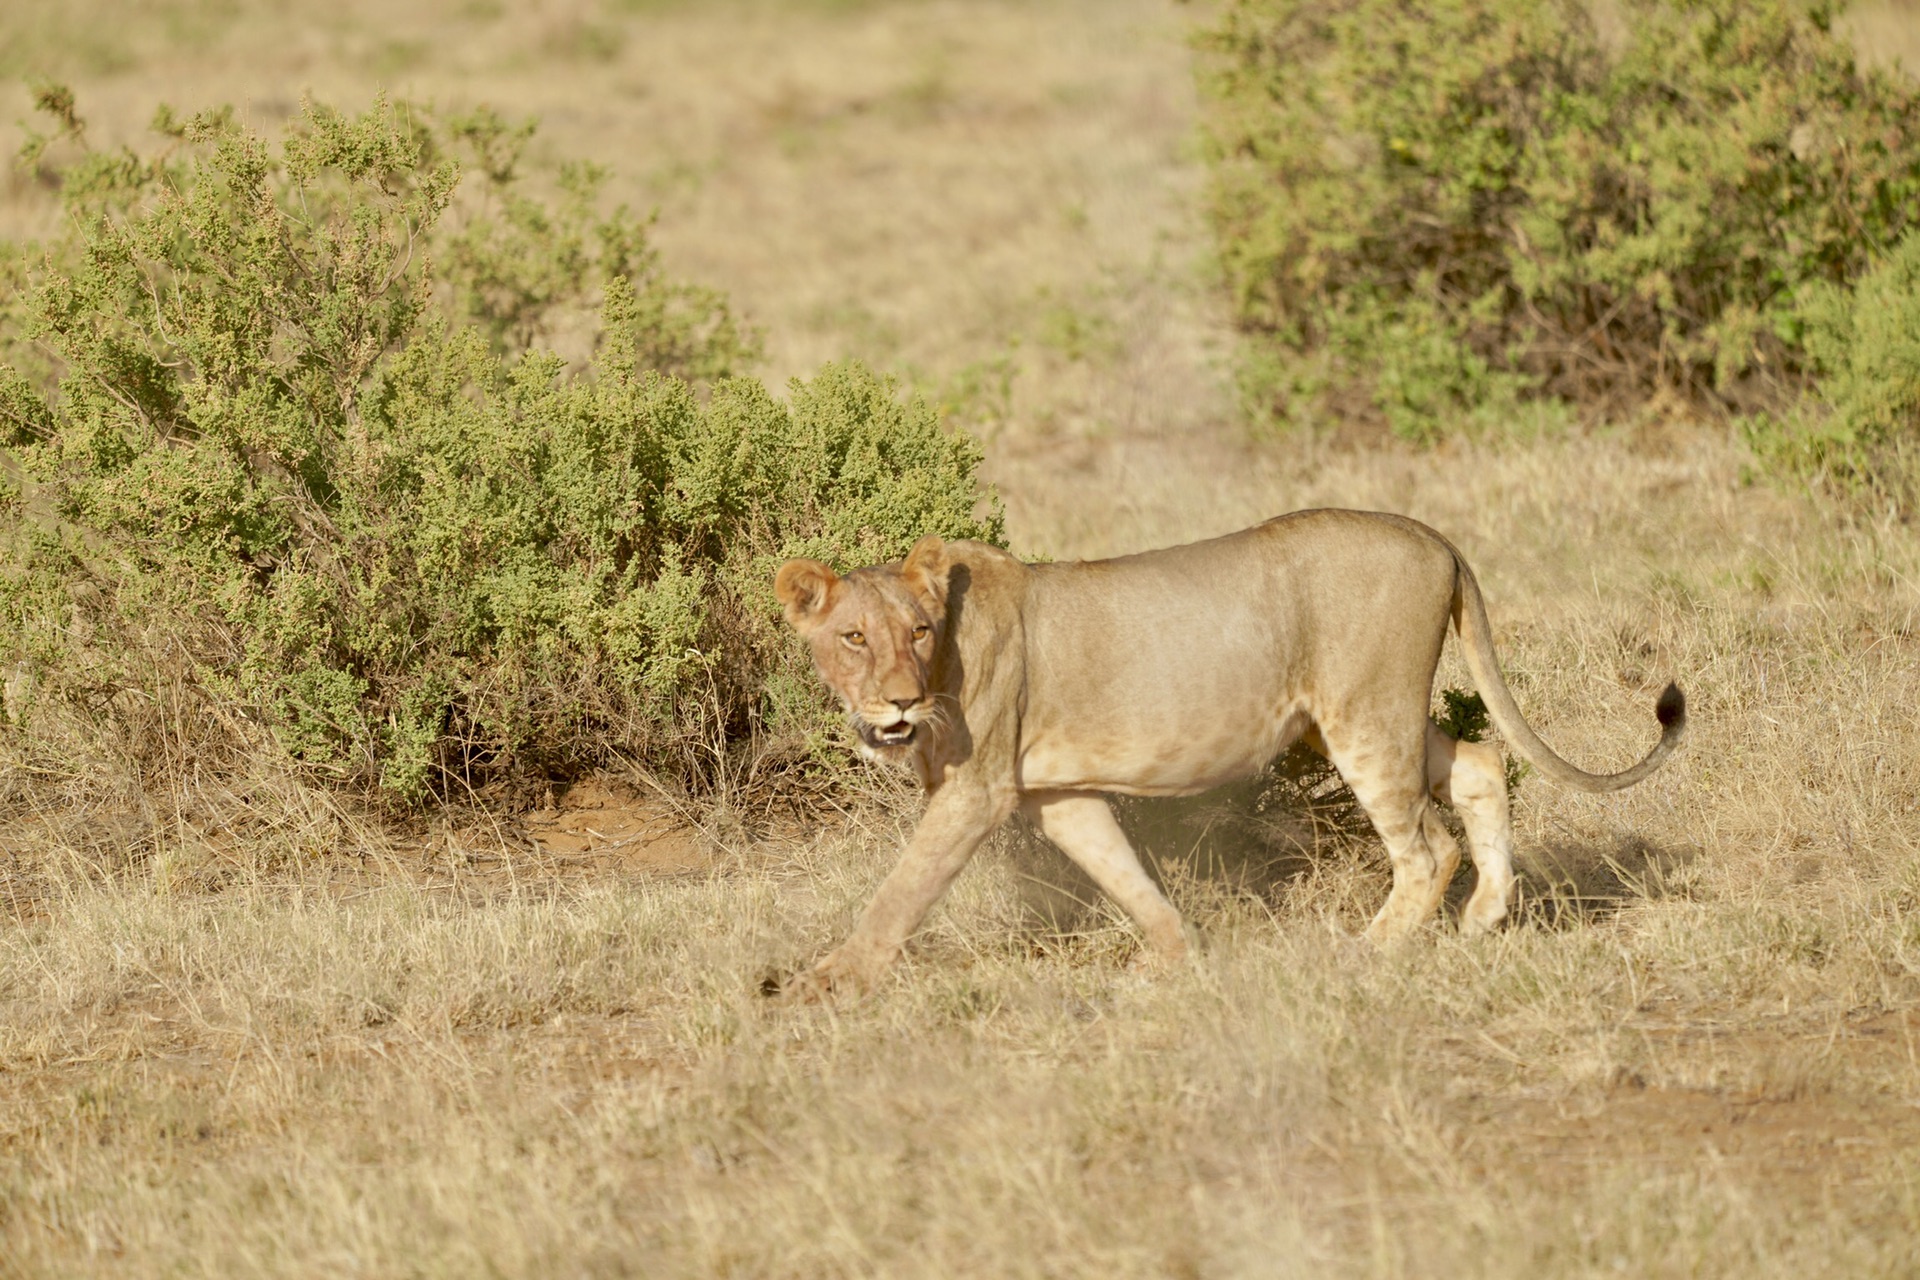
(609, 822)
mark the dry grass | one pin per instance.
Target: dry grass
(309, 1046)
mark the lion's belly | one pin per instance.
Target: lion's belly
(1156, 679)
(1167, 759)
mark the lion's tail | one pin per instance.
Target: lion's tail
(1476, 643)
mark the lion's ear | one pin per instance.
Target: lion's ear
(805, 589)
(926, 572)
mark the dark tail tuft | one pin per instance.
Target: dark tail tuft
(1672, 707)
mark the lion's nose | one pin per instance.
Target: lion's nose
(905, 704)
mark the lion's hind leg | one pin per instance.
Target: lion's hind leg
(1384, 765)
(1471, 778)
(1083, 827)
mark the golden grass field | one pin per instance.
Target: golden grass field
(316, 1046)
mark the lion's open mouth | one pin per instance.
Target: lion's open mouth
(897, 734)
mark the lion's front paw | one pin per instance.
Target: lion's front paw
(1165, 951)
(838, 975)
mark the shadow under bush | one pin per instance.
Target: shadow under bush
(264, 462)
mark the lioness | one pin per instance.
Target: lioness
(1039, 686)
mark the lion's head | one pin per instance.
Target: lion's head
(873, 635)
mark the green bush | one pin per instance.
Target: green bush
(1859, 431)
(276, 434)
(1438, 205)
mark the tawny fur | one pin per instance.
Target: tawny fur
(1006, 685)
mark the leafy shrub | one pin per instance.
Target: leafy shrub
(1860, 430)
(1444, 204)
(1463, 716)
(268, 416)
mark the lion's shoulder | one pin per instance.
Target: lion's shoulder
(985, 574)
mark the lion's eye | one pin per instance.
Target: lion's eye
(855, 638)
(922, 631)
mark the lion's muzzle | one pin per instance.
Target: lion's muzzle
(897, 733)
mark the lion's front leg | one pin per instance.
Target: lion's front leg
(1083, 827)
(839, 972)
(958, 817)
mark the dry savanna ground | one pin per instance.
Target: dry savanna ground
(530, 1044)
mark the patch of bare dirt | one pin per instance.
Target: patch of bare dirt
(605, 822)
(1800, 1109)
(1778, 1142)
